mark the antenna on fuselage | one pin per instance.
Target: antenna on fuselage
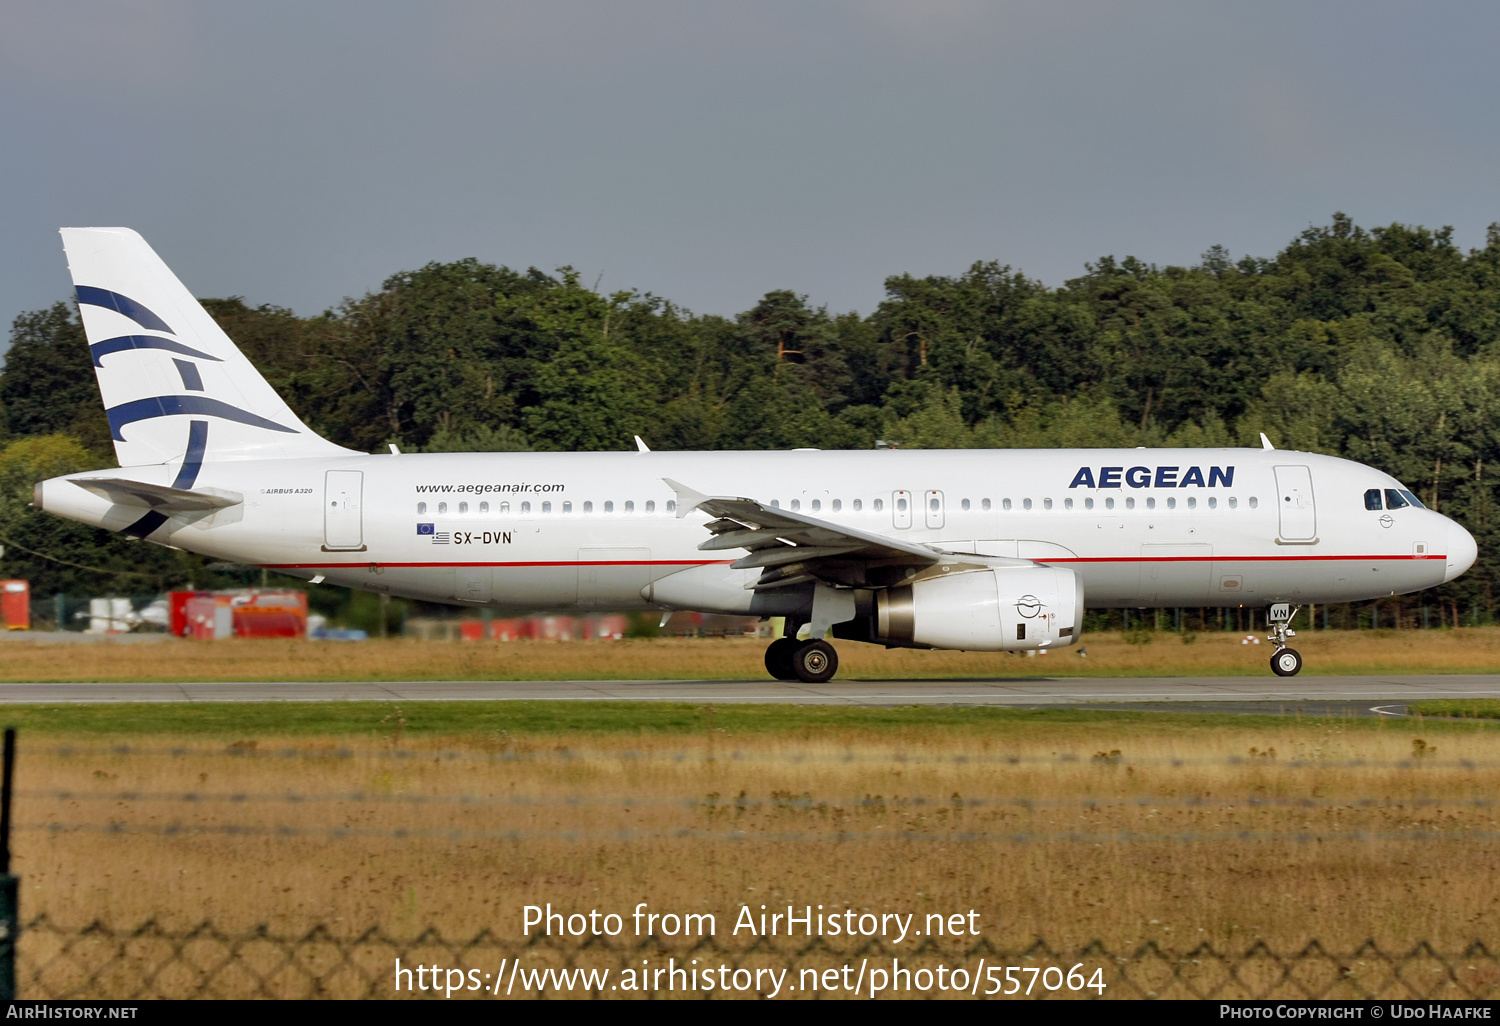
(1265, 443)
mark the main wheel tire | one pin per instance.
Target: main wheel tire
(815, 662)
(1286, 662)
(779, 658)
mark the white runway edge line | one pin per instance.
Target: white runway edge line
(1379, 689)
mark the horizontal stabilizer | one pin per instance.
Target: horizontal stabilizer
(159, 497)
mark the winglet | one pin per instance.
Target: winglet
(687, 498)
(640, 445)
(1265, 443)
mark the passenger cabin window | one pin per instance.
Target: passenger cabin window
(838, 504)
(650, 505)
(858, 504)
(1067, 504)
(775, 503)
(1088, 503)
(1046, 504)
(1025, 503)
(878, 505)
(817, 505)
(796, 504)
(629, 505)
(1393, 499)
(1213, 502)
(1150, 503)
(1192, 503)
(671, 505)
(1005, 504)
(1109, 503)
(463, 507)
(442, 507)
(609, 506)
(984, 504)
(934, 505)
(421, 507)
(1372, 499)
(965, 505)
(505, 507)
(526, 507)
(1171, 503)
(484, 507)
(1130, 502)
(901, 505)
(588, 507)
(567, 507)
(1233, 502)
(1254, 502)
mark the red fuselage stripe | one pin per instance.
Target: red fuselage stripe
(711, 562)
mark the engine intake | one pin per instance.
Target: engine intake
(998, 609)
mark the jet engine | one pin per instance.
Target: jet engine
(994, 609)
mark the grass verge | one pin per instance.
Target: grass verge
(233, 721)
(1468, 650)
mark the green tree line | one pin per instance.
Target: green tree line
(1376, 344)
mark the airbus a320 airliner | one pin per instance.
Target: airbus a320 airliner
(987, 550)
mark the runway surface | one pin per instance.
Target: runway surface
(1370, 695)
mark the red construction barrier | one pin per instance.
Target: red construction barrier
(270, 614)
(177, 617)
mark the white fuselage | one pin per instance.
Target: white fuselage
(551, 531)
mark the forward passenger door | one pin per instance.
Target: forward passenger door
(1294, 500)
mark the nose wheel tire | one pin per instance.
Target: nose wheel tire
(815, 662)
(779, 658)
(1286, 662)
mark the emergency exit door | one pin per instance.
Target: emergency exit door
(1294, 500)
(343, 516)
(932, 506)
(901, 509)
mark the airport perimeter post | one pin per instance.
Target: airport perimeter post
(10, 919)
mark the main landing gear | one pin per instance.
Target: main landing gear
(812, 662)
(1285, 662)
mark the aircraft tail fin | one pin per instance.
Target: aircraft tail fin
(174, 386)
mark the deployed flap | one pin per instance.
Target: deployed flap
(796, 549)
(159, 497)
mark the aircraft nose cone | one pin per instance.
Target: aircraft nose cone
(1462, 551)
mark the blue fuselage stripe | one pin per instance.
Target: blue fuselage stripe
(192, 463)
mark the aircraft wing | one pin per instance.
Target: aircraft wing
(793, 549)
(158, 497)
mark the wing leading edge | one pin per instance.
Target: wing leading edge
(792, 548)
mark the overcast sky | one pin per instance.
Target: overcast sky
(299, 152)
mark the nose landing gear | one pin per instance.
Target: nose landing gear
(1285, 662)
(812, 662)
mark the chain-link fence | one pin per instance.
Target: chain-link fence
(149, 961)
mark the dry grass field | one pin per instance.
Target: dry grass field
(733, 797)
(1466, 650)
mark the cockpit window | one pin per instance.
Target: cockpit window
(1393, 499)
(1372, 499)
(1412, 499)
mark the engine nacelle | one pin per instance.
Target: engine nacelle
(999, 609)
